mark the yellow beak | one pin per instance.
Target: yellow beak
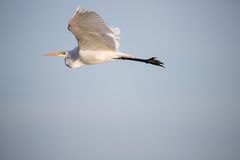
(56, 54)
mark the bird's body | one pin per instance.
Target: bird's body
(76, 58)
(97, 43)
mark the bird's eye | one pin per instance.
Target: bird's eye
(67, 61)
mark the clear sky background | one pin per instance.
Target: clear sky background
(122, 110)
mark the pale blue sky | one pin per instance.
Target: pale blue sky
(122, 110)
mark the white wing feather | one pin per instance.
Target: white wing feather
(115, 35)
(91, 31)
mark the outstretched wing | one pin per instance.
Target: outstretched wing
(92, 33)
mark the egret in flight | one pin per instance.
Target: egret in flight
(97, 43)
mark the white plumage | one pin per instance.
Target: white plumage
(97, 43)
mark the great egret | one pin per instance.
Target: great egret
(97, 43)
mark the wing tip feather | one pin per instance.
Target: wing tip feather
(79, 10)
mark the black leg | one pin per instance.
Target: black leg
(153, 60)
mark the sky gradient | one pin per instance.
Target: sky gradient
(122, 110)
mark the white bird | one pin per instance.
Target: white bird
(97, 43)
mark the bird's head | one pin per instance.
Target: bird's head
(71, 58)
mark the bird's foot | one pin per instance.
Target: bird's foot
(155, 61)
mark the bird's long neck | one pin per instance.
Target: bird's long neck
(74, 53)
(74, 57)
